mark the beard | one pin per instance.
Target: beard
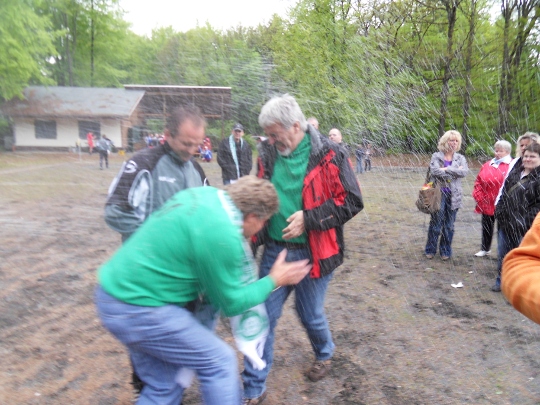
(286, 152)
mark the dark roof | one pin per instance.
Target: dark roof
(40, 101)
(215, 102)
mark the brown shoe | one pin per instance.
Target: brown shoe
(254, 401)
(445, 258)
(319, 369)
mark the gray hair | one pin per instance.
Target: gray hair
(282, 110)
(507, 146)
(533, 136)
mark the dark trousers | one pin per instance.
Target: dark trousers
(103, 156)
(367, 164)
(488, 224)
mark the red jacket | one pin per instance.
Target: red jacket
(486, 187)
(330, 197)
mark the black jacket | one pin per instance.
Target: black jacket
(226, 161)
(330, 197)
(519, 203)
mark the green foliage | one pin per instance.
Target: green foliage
(25, 46)
(372, 69)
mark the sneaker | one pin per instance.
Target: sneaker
(483, 253)
(319, 369)
(254, 401)
(445, 258)
(429, 256)
(496, 287)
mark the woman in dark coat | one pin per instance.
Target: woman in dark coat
(520, 201)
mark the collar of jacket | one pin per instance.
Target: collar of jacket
(534, 174)
(168, 150)
(440, 155)
(320, 145)
(507, 159)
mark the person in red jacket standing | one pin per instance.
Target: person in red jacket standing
(90, 140)
(486, 187)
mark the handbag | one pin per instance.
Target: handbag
(429, 197)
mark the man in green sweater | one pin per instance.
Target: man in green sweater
(194, 245)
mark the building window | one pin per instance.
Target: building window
(89, 126)
(45, 129)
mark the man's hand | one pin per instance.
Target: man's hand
(296, 226)
(288, 273)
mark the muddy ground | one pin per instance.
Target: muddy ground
(403, 334)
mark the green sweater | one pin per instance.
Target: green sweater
(193, 245)
(288, 179)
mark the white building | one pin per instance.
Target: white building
(57, 118)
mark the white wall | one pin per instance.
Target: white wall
(111, 128)
(67, 133)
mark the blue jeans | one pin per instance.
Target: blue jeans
(504, 245)
(359, 166)
(309, 300)
(162, 340)
(442, 223)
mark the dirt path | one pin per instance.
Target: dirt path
(403, 334)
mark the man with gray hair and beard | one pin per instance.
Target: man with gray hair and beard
(318, 192)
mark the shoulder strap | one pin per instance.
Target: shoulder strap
(519, 183)
(428, 175)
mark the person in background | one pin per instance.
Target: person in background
(318, 193)
(486, 187)
(234, 156)
(104, 147)
(519, 203)
(313, 122)
(206, 154)
(90, 140)
(359, 154)
(447, 168)
(367, 157)
(335, 136)
(146, 289)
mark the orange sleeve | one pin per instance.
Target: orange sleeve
(520, 282)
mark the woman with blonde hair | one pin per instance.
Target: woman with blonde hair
(446, 168)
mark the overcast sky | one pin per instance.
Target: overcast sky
(182, 15)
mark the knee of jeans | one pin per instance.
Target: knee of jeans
(228, 361)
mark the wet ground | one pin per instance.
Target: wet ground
(403, 334)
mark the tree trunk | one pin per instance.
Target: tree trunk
(451, 12)
(468, 67)
(507, 8)
(68, 55)
(92, 45)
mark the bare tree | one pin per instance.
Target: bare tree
(519, 16)
(472, 15)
